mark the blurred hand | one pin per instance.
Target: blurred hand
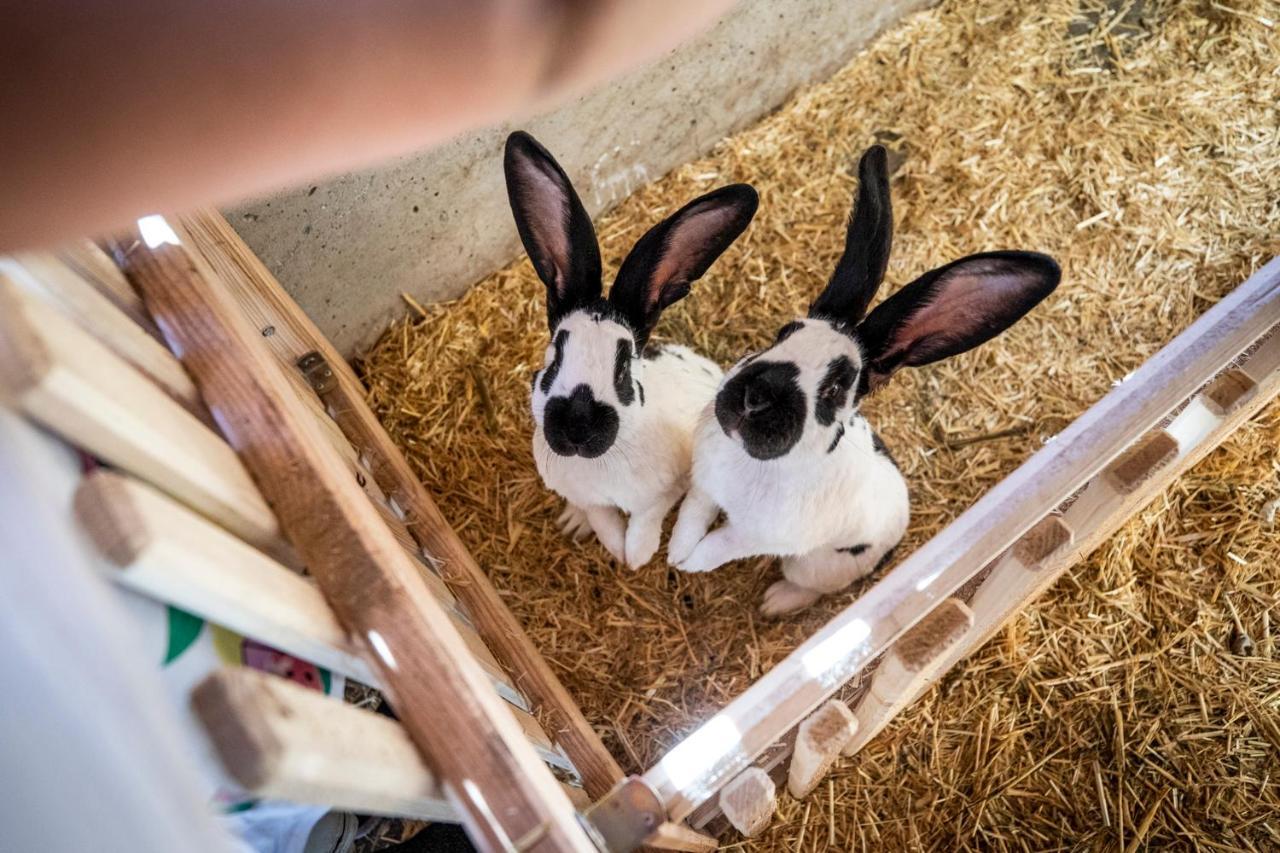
(114, 110)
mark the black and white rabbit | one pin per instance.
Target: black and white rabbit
(614, 417)
(784, 451)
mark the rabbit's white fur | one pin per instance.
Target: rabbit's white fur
(783, 449)
(811, 507)
(646, 470)
(614, 418)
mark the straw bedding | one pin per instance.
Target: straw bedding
(1139, 701)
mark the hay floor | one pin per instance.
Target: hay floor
(1139, 144)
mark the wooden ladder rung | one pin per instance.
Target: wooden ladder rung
(749, 801)
(169, 553)
(281, 740)
(63, 378)
(93, 265)
(819, 742)
(1229, 391)
(48, 278)
(1142, 461)
(913, 662)
(1044, 540)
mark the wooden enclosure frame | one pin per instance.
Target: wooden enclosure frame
(400, 604)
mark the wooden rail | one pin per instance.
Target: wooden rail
(291, 335)
(490, 774)
(695, 769)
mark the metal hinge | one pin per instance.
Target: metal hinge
(319, 374)
(623, 818)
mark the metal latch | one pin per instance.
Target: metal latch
(621, 820)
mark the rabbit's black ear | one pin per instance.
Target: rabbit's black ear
(677, 251)
(866, 246)
(953, 309)
(553, 225)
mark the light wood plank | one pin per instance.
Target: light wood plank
(280, 739)
(914, 663)
(266, 304)
(503, 793)
(101, 272)
(62, 377)
(50, 279)
(283, 741)
(749, 801)
(677, 836)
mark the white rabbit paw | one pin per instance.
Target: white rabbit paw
(573, 523)
(684, 539)
(642, 543)
(786, 597)
(703, 559)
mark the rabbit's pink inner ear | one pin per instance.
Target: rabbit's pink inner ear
(963, 306)
(546, 212)
(686, 247)
(955, 308)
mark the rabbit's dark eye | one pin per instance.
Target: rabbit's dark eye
(622, 373)
(833, 393)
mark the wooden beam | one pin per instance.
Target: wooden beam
(677, 836)
(503, 793)
(63, 378)
(915, 662)
(293, 335)
(280, 739)
(1140, 462)
(697, 767)
(1229, 391)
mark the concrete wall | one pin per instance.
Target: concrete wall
(434, 223)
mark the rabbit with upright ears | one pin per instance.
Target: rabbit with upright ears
(784, 451)
(614, 415)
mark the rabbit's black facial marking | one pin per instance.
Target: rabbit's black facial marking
(622, 373)
(823, 365)
(883, 449)
(549, 374)
(854, 550)
(579, 425)
(763, 404)
(640, 388)
(833, 390)
(787, 331)
(836, 441)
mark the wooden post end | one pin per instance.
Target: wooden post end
(749, 801)
(1140, 462)
(818, 744)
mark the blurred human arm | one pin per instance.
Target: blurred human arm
(112, 110)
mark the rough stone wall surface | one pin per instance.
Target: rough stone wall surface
(433, 223)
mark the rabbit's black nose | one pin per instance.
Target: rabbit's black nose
(763, 406)
(579, 424)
